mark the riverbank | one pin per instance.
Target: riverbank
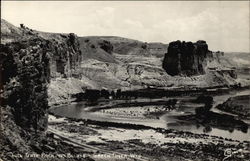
(175, 112)
(150, 128)
(77, 94)
(238, 105)
(146, 142)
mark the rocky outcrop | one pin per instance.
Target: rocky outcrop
(96, 62)
(25, 73)
(186, 58)
(27, 67)
(65, 57)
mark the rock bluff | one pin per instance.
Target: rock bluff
(186, 58)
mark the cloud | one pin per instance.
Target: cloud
(105, 16)
(132, 23)
(224, 25)
(212, 25)
(189, 27)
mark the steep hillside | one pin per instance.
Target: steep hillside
(25, 75)
(40, 69)
(111, 62)
(129, 64)
(91, 48)
(139, 65)
(10, 32)
(122, 46)
(30, 65)
(65, 58)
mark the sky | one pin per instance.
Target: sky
(224, 25)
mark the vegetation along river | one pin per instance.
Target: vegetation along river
(169, 119)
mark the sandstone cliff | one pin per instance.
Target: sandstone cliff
(25, 75)
(29, 62)
(27, 67)
(65, 57)
(186, 58)
(134, 64)
(131, 64)
(97, 62)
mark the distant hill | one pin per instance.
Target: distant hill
(115, 62)
(238, 59)
(90, 47)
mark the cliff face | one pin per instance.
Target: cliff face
(134, 64)
(65, 57)
(186, 58)
(124, 63)
(25, 74)
(77, 63)
(30, 61)
(27, 67)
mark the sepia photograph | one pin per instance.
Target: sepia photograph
(125, 81)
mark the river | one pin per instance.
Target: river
(167, 120)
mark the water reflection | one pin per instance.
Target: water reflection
(169, 120)
(230, 133)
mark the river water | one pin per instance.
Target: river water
(169, 120)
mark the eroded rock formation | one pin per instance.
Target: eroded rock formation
(26, 69)
(25, 73)
(65, 57)
(186, 58)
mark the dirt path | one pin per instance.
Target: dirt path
(92, 148)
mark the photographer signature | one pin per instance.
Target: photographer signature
(233, 152)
